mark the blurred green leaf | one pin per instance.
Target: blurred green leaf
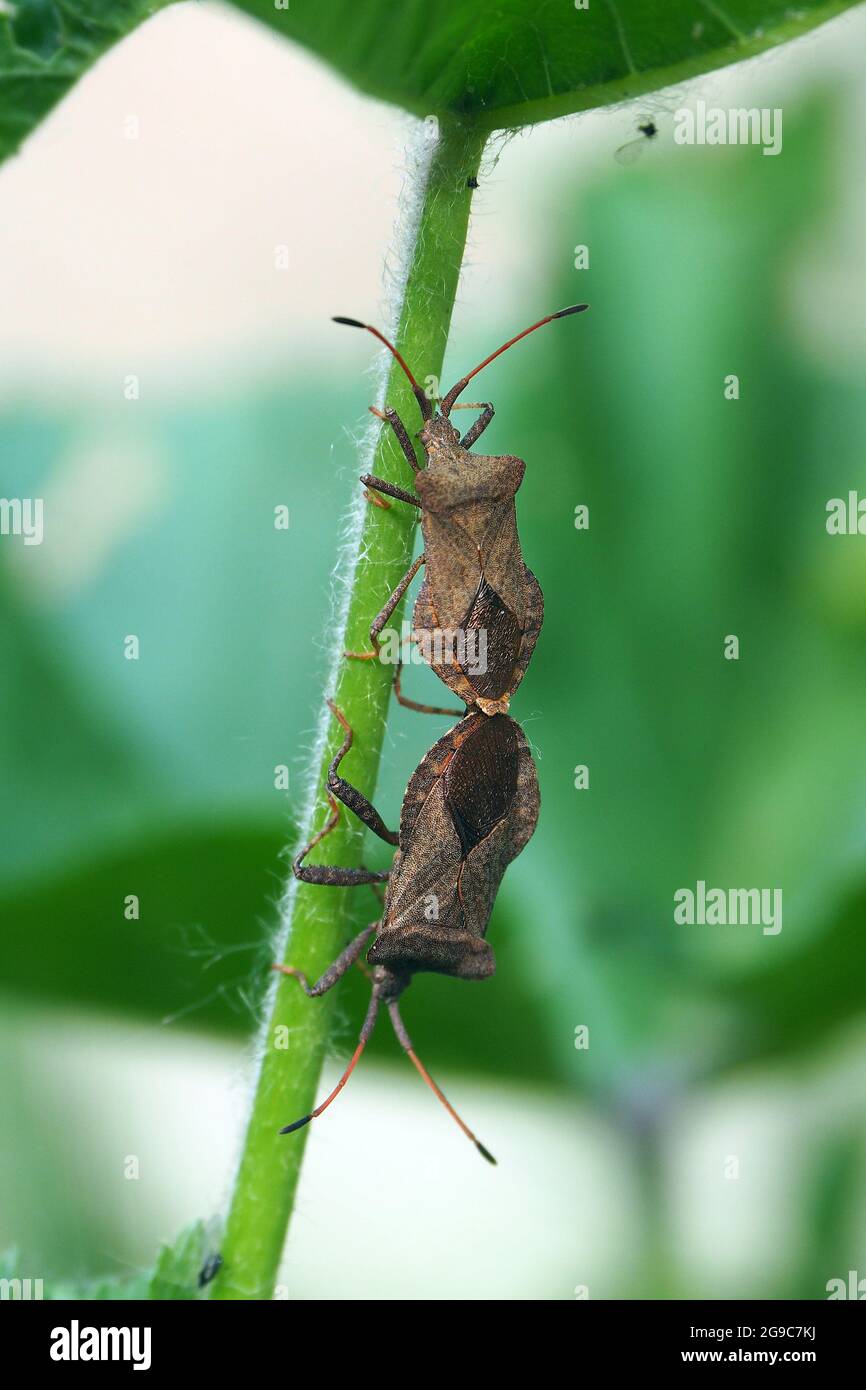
(707, 518)
(133, 1289)
(175, 1276)
(512, 62)
(96, 749)
(14, 1268)
(180, 1264)
(832, 1204)
(504, 62)
(788, 1006)
(199, 956)
(198, 949)
(46, 46)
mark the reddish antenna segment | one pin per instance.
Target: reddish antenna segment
(406, 1043)
(363, 1039)
(448, 401)
(416, 1062)
(420, 396)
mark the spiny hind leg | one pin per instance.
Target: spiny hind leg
(334, 875)
(349, 795)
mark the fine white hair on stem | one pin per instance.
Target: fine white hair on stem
(418, 158)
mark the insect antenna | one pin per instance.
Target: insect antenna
(406, 1043)
(420, 396)
(448, 401)
(363, 1039)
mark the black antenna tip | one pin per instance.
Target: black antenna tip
(298, 1124)
(350, 323)
(573, 309)
(485, 1153)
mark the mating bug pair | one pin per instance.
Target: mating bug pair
(472, 803)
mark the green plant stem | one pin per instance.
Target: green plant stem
(315, 920)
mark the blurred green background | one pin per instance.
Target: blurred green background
(156, 777)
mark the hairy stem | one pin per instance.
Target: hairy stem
(315, 919)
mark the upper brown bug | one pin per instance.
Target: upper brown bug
(469, 809)
(476, 580)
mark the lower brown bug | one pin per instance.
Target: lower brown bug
(469, 809)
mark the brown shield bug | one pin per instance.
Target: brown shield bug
(476, 581)
(469, 809)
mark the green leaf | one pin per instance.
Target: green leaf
(506, 63)
(195, 729)
(206, 894)
(510, 63)
(45, 46)
(131, 1290)
(831, 1204)
(178, 1266)
(707, 518)
(21, 1284)
(201, 950)
(175, 1276)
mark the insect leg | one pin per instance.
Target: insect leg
(390, 489)
(331, 875)
(335, 971)
(382, 617)
(475, 431)
(349, 795)
(393, 419)
(413, 704)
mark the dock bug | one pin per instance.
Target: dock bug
(469, 809)
(476, 580)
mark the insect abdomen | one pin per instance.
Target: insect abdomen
(468, 805)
